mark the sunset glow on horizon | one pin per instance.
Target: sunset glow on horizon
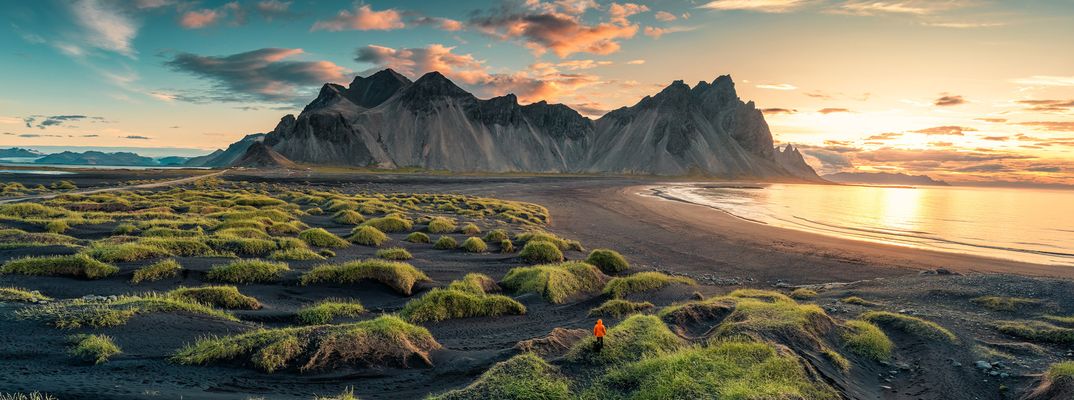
(960, 90)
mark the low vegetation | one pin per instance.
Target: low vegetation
(12, 294)
(911, 325)
(470, 229)
(445, 243)
(248, 271)
(322, 238)
(803, 294)
(858, 301)
(156, 271)
(83, 313)
(474, 244)
(348, 217)
(441, 225)
(609, 261)
(126, 252)
(399, 276)
(496, 236)
(522, 377)
(506, 246)
(384, 341)
(442, 304)
(1037, 331)
(326, 311)
(867, 340)
(726, 369)
(417, 237)
(634, 338)
(96, 349)
(227, 297)
(641, 282)
(368, 236)
(390, 223)
(541, 252)
(555, 282)
(1002, 303)
(77, 265)
(394, 253)
(619, 308)
(475, 283)
(542, 236)
(296, 254)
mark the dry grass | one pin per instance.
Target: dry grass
(78, 265)
(642, 281)
(555, 282)
(397, 275)
(248, 271)
(156, 271)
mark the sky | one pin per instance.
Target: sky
(960, 90)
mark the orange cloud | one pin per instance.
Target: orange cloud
(545, 27)
(362, 19)
(198, 19)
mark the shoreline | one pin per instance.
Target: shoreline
(705, 218)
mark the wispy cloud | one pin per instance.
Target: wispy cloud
(1056, 126)
(1045, 80)
(1048, 105)
(951, 130)
(105, 26)
(833, 110)
(768, 6)
(777, 86)
(264, 74)
(946, 100)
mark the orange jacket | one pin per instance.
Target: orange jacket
(598, 329)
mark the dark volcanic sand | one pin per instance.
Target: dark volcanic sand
(722, 252)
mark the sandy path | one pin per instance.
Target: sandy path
(150, 185)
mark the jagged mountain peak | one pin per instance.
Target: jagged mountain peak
(377, 88)
(330, 95)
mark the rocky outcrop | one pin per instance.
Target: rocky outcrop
(260, 155)
(791, 160)
(224, 158)
(387, 121)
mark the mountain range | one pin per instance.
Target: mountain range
(386, 120)
(883, 178)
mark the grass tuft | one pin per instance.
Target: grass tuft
(394, 253)
(867, 340)
(522, 377)
(368, 235)
(497, 235)
(442, 304)
(227, 297)
(126, 252)
(80, 313)
(78, 265)
(555, 282)
(156, 271)
(325, 311)
(618, 308)
(642, 281)
(322, 238)
(470, 229)
(296, 254)
(855, 300)
(634, 338)
(22, 295)
(541, 252)
(418, 237)
(445, 243)
(248, 271)
(1001, 303)
(911, 325)
(474, 244)
(390, 223)
(348, 217)
(803, 294)
(397, 275)
(441, 225)
(93, 348)
(1037, 331)
(609, 261)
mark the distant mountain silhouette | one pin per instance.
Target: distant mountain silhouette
(884, 178)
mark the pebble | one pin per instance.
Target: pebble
(983, 365)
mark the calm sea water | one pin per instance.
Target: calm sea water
(1021, 224)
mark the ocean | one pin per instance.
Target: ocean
(1030, 225)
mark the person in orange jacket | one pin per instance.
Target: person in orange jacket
(598, 331)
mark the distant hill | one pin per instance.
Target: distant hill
(16, 152)
(96, 158)
(386, 120)
(884, 178)
(261, 156)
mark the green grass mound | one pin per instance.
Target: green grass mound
(242, 246)
(418, 237)
(441, 225)
(15, 238)
(179, 246)
(541, 252)
(755, 313)
(368, 236)
(126, 252)
(156, 271)
(296, 254)
(1037, 331)
(561, 243)
(96, 349)
(247, 233)
(394, 253)
(285, 228)
(1001, 303)
(637, 337)
(867, 340)
(82, 313)
(324, 312)
(911, 325)
(641, 282)
(475, 283)
(470, 229)
(803, 294)
(399, 276)
(322, 238)
(384, 341)
(855, 300)
(57, 226)
(609, 261)
(227, 297)
(77, 265)
(12, 294)
(442, 304)
(555, 282)
(348, 217)
(445, 243)
(619, 308)
(474, 244)
(248, 271)
(522, 377)
(507, 247)
(496, 236)
(390, 223)
(720, 370)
